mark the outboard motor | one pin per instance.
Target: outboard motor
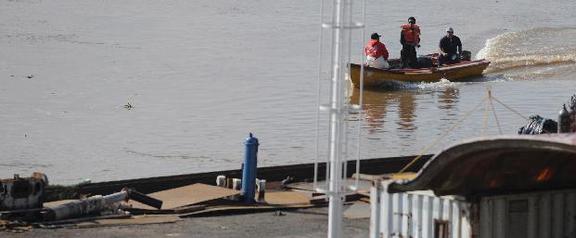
(466, 55)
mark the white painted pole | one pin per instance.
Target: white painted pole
(335, 193)
(375, 199)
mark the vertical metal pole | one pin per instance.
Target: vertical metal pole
(336, 125)
(318, 97)
(375, 199)
(360, 102)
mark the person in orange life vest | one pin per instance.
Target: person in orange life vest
(410, 39)
(450, 48)
(376, 53)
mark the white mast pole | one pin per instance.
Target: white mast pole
(337, 110)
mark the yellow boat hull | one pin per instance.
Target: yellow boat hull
(374, 78)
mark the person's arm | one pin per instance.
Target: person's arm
(459, 47)
(384, 52)
(441, 47)
(402, 41)
(418, 37)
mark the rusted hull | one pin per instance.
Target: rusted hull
(374, 78)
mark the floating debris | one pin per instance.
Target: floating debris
(128, 106)
(30, 76)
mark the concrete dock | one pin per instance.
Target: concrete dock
(296, 223)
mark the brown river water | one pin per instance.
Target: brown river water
(200, 75)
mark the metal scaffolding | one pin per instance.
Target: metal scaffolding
(340, 25)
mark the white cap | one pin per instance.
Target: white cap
(449, 29)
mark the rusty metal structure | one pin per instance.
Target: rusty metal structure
(22, 193)
(502, 187)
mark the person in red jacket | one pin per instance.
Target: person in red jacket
(410, 39)
(376, 53)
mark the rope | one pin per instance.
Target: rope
(491, 105)
(516, 112)
(494, 112)
(442, 136)
(485, 122)
(509, 108)
(519, 114)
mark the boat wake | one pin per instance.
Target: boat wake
(443, 83)
(535, 51)
(397, 85)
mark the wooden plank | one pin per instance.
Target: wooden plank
(223, 210)
(149, 211)
(187, 195)
(188, 209)
(272, 199)
(286, 198)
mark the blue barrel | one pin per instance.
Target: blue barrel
(249, 169)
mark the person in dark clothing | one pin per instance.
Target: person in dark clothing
(450, 48)
(410, 39)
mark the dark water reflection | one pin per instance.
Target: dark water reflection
(400, 107)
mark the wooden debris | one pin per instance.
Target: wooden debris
(286, 198)
(188, 209)
(187, 195)
(225, 210)
(178, 210)
(278, 200)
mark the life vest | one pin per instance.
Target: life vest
(411, 33)
(376, 49)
